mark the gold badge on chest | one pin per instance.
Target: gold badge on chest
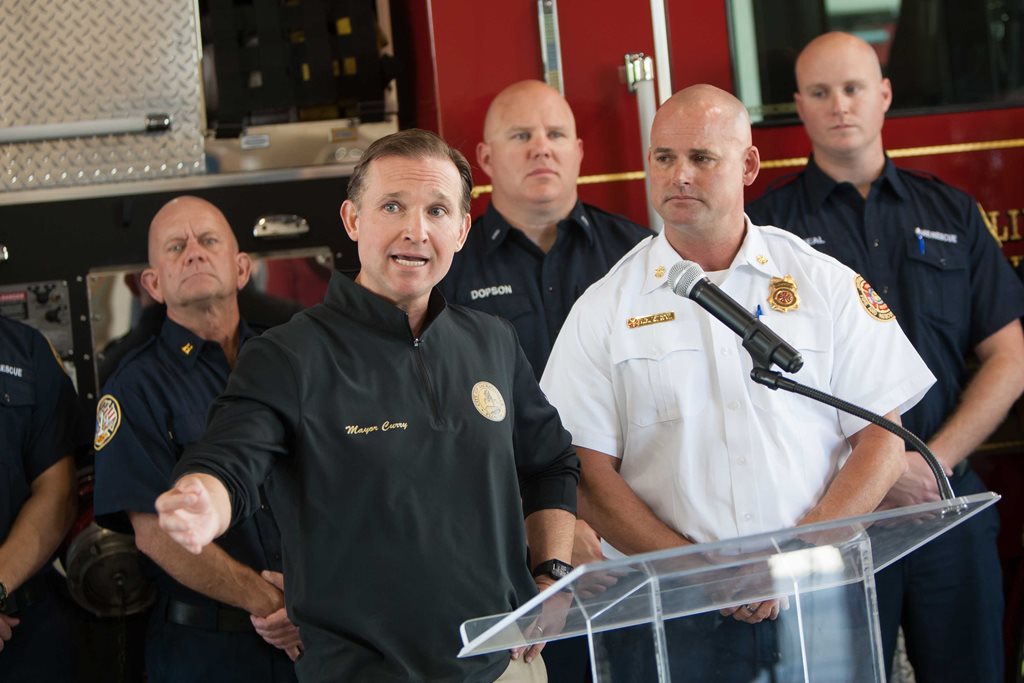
(782, 294)
(488, 401)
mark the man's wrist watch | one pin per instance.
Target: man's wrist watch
(556, 569)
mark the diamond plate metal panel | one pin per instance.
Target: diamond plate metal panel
(66, 62)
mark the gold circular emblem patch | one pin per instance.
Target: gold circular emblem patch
(871, 302)
(108, 419)
(488, 401)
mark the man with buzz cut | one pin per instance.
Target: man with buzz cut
(924, 247)
(677, 445)
(535, 251)
(538, 247)
(219, 615)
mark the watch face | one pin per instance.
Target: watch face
(560, 569)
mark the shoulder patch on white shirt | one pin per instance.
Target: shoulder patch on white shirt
(872, 303)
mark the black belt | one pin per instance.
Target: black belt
(32, 592)
(209, 617)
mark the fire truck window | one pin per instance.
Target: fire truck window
(943, 55)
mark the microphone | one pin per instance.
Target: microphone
(687, 279)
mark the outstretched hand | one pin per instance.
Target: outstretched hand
(189, 514)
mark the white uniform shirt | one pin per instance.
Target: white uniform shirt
(713, 454)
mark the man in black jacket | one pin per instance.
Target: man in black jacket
(407, 440)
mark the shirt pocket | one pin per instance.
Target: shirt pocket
(937, 281)
(663, 373)
(16, 392)
(814, 339)
(508, 306)
(185, 428)
(17, 399)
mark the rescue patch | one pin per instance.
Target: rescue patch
(782, 294)
(871, 302)
(12, 370)
(667, 316)
(947, 237)
(108, 419)
(488, 401)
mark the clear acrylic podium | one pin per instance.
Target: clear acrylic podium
(670, 601)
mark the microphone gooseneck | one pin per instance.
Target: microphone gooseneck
(687, 279)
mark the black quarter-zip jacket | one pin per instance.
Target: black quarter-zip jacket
(403, 469)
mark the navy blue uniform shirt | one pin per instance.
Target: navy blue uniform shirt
(38, 415)
(39, 425)
(500, 271)
(153, 406)
(925, 249)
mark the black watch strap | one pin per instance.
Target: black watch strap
(556, 569)
(3, 596)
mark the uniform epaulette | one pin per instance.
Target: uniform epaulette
(924, 175)
(782, 181)
(611, 215)
(130, 355)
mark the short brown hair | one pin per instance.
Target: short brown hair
(411, 144)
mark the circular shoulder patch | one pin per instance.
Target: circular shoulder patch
(871, 302)
(108, 419)
(488, 401)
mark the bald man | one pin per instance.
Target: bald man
(676, 444)
(538, 246)
(925, 248)
(535, 251)
(220, 615)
